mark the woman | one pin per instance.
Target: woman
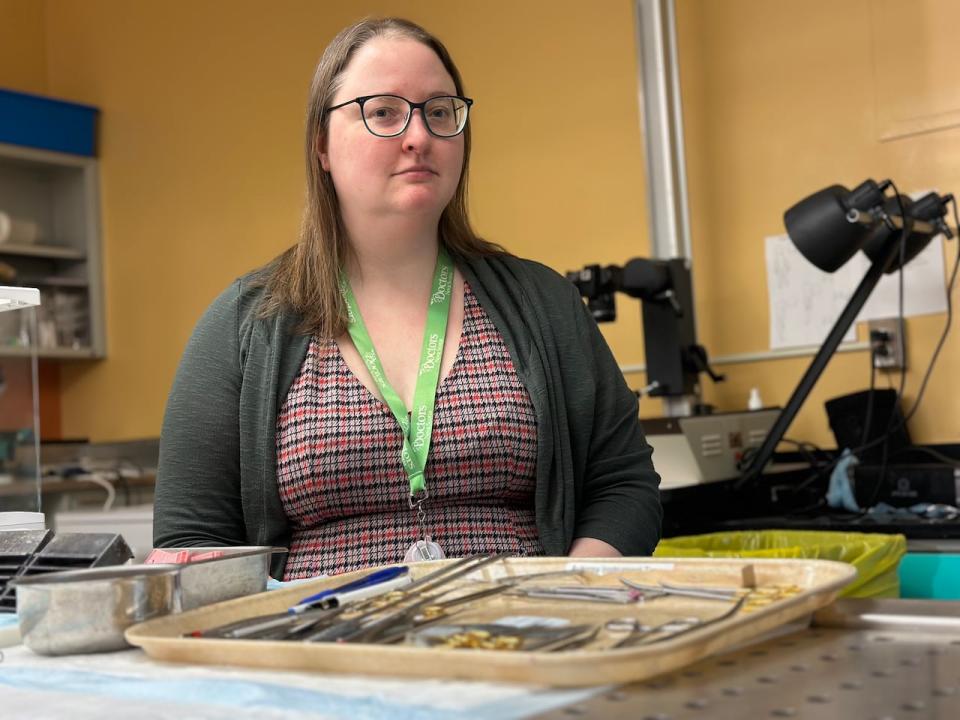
(393, 386)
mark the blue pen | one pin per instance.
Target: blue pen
(331, 596)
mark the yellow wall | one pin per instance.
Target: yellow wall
(201, 162)
(23, 60)
(786, 98)
(23, 67)
(201, 154)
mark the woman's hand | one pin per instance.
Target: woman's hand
(591, 547)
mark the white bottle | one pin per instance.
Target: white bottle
(754, 402)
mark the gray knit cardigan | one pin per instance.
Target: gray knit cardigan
(217, 478)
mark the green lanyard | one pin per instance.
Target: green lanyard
(416, 434)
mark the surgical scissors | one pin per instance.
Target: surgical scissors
(641, 634)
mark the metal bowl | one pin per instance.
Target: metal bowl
(82, 611)
(242, 570)
(85, 611)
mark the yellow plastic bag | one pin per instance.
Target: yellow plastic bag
(875, 556)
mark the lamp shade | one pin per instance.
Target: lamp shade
(819, 228)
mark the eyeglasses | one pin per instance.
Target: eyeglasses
(389, 115)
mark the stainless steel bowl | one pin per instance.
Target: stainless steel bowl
(82, 611)
(240, 571)
(85, 611)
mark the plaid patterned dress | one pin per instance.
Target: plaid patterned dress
(344, 489)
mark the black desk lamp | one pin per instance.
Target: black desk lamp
(828, 228)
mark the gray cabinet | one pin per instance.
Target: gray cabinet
(53, 243)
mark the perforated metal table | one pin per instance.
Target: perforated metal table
(859, 659)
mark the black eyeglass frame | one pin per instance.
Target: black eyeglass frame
(422, 106)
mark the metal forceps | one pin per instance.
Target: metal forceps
(585, 593)
(424, 612)
(350, 629)
(288, 626)
(316, 607)
(723, 594)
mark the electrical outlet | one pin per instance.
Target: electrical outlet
(887, 344)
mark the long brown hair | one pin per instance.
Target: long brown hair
(304, 279)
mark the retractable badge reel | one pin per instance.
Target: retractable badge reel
(425, 549)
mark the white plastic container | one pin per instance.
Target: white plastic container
(17, 231)
(22, 521)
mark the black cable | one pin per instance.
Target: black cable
(803, 447)
(900, 325)
(946, 327)
(943, 337)
(818, 466)
(929, 371)
(804, 450)
(923, 385)
(884, 439)
(821, 472)
(875, 495)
